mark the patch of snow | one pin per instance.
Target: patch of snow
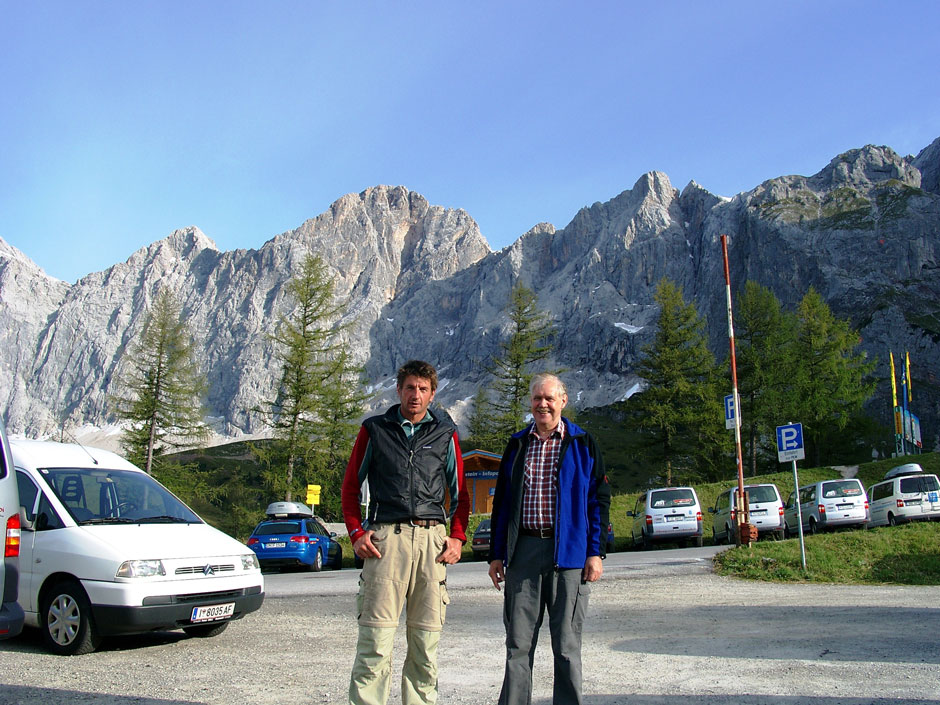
(628, 328)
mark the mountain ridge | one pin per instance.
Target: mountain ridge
(422, 281)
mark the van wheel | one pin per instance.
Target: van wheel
(698, 541)
(647, 544)
(891, 520)
(812, 527)
(714, 536)
(317, 565)
(68, 628)
(204, 631)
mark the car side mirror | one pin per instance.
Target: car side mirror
(630, 514)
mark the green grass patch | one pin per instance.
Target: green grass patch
(901, 555)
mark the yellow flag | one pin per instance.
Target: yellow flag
(894, 386)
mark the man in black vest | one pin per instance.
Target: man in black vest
(411, 459)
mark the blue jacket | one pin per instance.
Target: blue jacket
(583, 499)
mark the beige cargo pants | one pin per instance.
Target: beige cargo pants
(407, 575)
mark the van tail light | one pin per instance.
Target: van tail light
(900, 504)
(300, 539)
(698, 516)
(780, 511)
(866, 505)
(733, 512)
(822, 508)
(649, 520)
(11, 545)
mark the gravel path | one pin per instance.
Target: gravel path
(657, 633)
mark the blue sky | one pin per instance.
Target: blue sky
(123, 121)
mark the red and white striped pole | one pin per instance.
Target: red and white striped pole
(741, 503)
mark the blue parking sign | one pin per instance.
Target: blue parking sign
(790, 442)
(729, 411)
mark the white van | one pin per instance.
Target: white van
(765, 509)
(106, 549)
(11, 614)
(667, 514)
(826, 505)
(906, 494)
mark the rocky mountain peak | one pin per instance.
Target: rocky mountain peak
(928, 162)
(861, 168)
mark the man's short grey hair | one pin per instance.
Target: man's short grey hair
(543, 377)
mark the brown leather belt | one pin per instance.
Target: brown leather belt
(425, 523)
(539, 533)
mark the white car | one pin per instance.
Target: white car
(826, 505)
(765, 510)
(667, 514)
(906, 494)
(106, 549)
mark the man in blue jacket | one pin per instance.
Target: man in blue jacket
(549, 529)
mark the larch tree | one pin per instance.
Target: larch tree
(161, 386)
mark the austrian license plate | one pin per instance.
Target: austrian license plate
(759, 512)
(674, 517)
(280, 544)
(845, 506)
(213, 612)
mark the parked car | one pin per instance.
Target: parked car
(611, 539)
(11, 614)
(765, 510)
(292, 537)
(481, 540)
(906, 494)
(827, 504)
(106, 549)
(667, 514)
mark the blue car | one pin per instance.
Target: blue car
(291, 537)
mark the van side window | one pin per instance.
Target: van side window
(881, 491)
(36, 505)
(28, 492)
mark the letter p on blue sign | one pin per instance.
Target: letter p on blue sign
(790, 442)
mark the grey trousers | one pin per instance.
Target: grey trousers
(532, 586)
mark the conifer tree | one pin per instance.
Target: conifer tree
(319, 392)
(680, 407)
(501, 408)
(830, 381)
(764, 335)
(161, 386)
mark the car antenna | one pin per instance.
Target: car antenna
(87, 452)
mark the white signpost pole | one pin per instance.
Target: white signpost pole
(790, 447)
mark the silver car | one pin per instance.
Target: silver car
(667, 514)
(765, 510)
(906, 494)
(826, 505)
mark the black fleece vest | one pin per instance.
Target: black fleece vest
(406, 475)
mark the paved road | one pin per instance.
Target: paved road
(662, 629)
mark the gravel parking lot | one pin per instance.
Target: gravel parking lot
(662, 629)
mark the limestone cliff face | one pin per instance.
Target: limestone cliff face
(421, 281)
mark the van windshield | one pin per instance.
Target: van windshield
(666, 499)
(841, 488)
(98, 496)
(920, 483)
